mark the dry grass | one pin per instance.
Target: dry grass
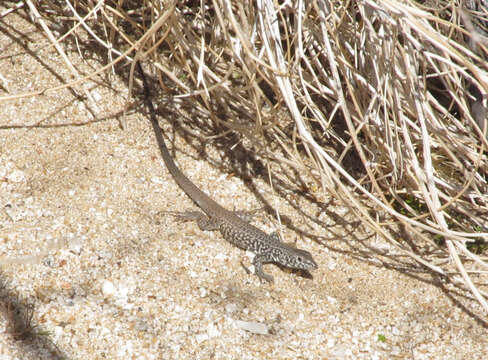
(370, 99)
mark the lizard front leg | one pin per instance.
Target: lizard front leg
(258, 262)
(247, 215)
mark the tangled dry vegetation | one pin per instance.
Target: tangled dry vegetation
(379, 102)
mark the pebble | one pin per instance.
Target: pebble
(108, 289)
(253, 327)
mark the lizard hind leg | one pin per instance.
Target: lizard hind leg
(188, 215)
(208, 223)
(204, 222)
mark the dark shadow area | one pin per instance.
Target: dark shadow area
(19, 317)
(441, 283)
(244, 163)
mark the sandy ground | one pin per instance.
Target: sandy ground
(87, 257)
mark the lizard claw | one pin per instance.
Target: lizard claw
(259, 273)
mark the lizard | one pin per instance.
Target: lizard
(268, 248)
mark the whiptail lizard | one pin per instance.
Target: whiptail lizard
(268, 248)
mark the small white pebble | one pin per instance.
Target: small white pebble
(221, 256)
(253, 327)
(339, 351)
(203, 292)
(212, 331)
(96, 95)
(331, 300)
(250, 255)
(201, 338)
(395, 351)
(16, 176)
(108, 289)
(157, 180)
(123, 291)
(58, 332)
(230, 308)
(125, 350)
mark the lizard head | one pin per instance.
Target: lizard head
(294, 258)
